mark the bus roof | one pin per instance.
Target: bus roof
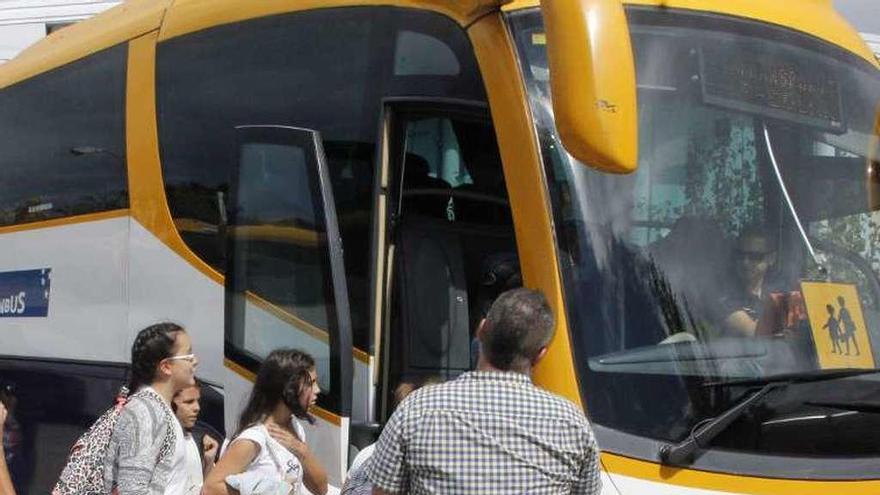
(177, 17)
(187, 16)
(111, 27)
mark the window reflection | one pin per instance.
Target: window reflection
(45, 125)
(280, 279)
(694, 269)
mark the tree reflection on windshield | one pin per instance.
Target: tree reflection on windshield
(693, 269)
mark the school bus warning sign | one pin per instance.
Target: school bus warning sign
(838, 326)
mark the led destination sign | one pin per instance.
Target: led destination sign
(780, 85)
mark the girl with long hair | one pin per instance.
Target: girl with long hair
(270, 442)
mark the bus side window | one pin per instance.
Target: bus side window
(63, 142)
(275, 70)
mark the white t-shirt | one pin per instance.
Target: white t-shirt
(273, 459)
(193, 462)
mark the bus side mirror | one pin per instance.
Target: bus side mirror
(593, 80)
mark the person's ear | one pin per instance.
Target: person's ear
(290, 395)
(164, 368)
(481, 329)
(539, 356)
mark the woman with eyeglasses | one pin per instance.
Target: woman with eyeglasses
(146, 452)
(269, 453)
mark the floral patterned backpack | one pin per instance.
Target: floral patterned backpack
(84, 472)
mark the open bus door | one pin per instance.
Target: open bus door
(285, 279)
(444, 245)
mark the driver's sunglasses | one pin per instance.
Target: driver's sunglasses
(191, 358)
(753, 255)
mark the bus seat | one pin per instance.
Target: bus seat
(481, 205)
(433, 298)
(423, 194)
(483, 201)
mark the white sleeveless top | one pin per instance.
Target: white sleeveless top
(273, 459)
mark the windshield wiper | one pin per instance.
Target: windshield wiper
(682, 452)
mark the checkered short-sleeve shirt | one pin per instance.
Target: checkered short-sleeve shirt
(486, 433)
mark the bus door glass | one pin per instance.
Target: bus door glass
(285, 286)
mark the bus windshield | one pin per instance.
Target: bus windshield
(745, 246)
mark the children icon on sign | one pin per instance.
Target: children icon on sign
(833, 326)
(849, 326)
(841, 329)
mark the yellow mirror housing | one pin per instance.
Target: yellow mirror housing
(872, 168)
(593, 81)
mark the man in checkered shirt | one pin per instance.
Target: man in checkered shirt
(491, 431)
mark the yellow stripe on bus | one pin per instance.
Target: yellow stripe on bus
(528, 196)
(301, 324)
(145, 185)
(60, 222)
(288, 317)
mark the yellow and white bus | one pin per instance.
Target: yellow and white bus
(692, 183)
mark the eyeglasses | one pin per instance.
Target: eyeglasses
(753, 255)
(185, 357)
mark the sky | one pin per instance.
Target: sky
(863, 14)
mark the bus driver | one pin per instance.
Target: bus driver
(740, 308)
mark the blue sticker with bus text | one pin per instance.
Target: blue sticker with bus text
(24, 293)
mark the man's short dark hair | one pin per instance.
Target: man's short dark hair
(519, 324)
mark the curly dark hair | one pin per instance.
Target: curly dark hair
(151, 346)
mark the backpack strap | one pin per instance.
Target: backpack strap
(122, 398)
